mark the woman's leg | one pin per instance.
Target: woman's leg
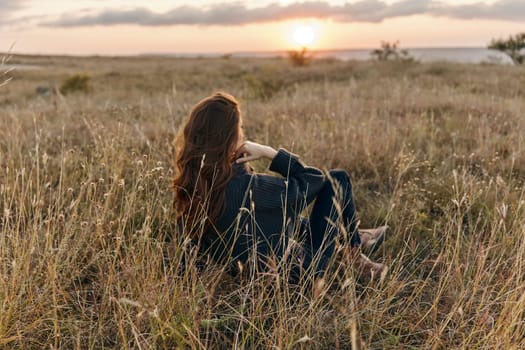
(334, 202)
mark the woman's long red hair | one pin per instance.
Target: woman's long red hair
(205, 151)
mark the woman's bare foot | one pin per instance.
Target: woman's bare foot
(372, 238)
(367, 269)
(370, 269)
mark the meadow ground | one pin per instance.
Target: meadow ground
(89, 255)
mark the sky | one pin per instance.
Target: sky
(128, 27)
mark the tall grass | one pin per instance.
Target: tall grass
(4, 72)
(90, 256)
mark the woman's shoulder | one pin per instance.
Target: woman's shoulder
(244, 178)
(240, 169)
(241, 172)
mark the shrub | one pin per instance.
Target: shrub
(391, 51)
(514, 47)
(77, 82)
(300, 58)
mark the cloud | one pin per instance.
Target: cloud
(377, 11)
(7, 7)
(218, 14)
(230, 14)
(510, 10)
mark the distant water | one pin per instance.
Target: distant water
(463, 55)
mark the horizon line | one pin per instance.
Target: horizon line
(233, 52)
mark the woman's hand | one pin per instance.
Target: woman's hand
(253, 151)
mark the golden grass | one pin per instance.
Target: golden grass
(90, 256)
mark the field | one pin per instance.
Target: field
(90, 255)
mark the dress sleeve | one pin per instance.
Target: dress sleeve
(298, 187)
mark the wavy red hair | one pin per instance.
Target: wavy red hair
(205, 151)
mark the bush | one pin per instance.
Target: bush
(300, 58)
(391, 51)
(77, 82)
(514, 47)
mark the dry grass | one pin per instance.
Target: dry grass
(90, 256)
(4, 71)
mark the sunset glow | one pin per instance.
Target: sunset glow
(128, 27)
(304, 35)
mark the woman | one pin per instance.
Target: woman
(237, 215)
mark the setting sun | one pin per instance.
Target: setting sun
(304, 35)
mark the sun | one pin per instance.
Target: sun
(304, 35)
